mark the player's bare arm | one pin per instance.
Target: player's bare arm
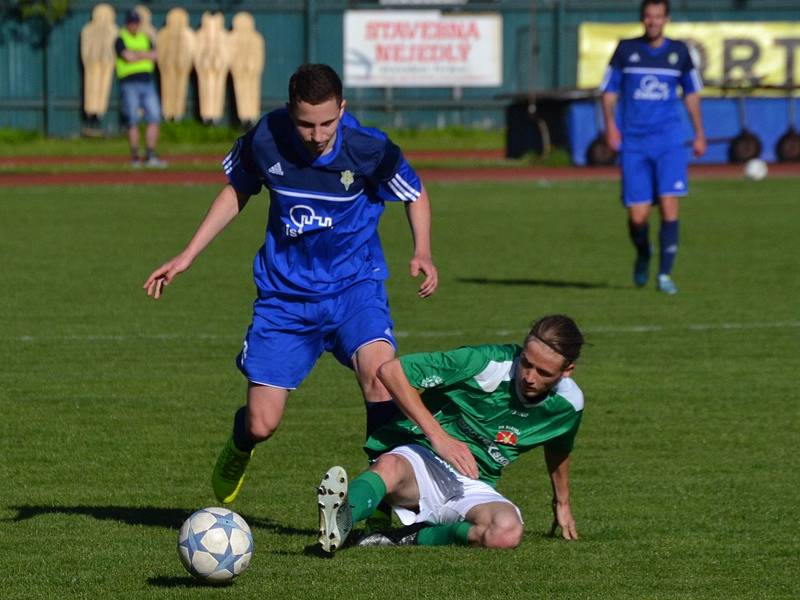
(223, 210)
(419, 218)
(558, 467)
(410, 402)
(692, 102)
(613, 136)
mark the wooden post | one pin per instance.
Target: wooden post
(98, 56)
(175, 43)
(211, 60)
(249, 49)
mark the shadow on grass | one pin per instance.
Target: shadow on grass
(178, 582)
(170, 518)
(553, 283)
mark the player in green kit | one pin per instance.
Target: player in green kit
(480, 408)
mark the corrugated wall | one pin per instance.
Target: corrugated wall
(42, 89)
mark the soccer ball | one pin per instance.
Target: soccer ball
(755, 169)
(215, 545)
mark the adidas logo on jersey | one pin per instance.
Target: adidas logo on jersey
(276, 169)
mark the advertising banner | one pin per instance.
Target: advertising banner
(410, 48)
(730, 54)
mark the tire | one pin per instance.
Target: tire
(788, 147)
(600, 153)
(744, 146)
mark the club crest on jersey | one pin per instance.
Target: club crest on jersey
(347, 179)
(506, 437)
(634, 58)
(673, 58)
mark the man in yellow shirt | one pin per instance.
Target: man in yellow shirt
(136, 56)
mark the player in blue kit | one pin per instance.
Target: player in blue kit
(644, 75)
(320, 273)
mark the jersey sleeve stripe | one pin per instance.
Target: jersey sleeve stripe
(606, 78)
(399, 192)
(404, 184)
(698, 83)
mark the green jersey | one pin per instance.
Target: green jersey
(472, 393)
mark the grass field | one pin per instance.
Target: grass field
(685, 479)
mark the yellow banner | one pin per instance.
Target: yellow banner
(730, 54)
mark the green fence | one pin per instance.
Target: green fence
(41, 78)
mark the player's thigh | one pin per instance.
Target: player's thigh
(672, 165)
(366, 361)
(638, 177)
(151, 104)
(129, 103)
(362, 318)
(398, 475)
(281, 345)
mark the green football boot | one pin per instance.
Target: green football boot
(228, 475)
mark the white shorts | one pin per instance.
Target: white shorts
(445, 496)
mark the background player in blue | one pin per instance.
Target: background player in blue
(320, 273)
(644, 74)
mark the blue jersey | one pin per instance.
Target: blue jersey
(647, 81)
(321, 233)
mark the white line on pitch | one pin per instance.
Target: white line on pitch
(601, 329)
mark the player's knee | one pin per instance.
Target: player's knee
(503, 534)
(261, 426)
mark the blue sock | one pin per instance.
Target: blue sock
(380, 413)
(668, 238)
(242, 439)
(640, 236)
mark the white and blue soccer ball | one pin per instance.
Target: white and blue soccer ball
(215, 545)
(755, 169)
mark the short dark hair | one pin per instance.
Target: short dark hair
(560, 334)
(132, 16)
(314, 84)
(646, 3)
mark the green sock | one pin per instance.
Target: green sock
(365, 493)
(443, 535)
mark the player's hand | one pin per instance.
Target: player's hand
(424, 264)
(457, 454)
(562, 519)
(164, 275)
(613, 137)
(700, 145)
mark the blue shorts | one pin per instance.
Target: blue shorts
(287, 336)
(136, 95)
(652, 171)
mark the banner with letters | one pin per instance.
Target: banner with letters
(730, 54)
(422, 48)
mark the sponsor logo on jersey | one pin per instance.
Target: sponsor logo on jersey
(431, 381)
(650, 88)
(635, 57)
(276, 169)
(673, 58)
(489, 445)
(303, 217)
(506, 437)
(347, 179)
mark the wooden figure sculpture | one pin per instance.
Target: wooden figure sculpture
(98, 57)
(211, 60)
(146, 22)
(175, 43)
(248, 49)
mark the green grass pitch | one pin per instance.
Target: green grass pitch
(686, 475)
